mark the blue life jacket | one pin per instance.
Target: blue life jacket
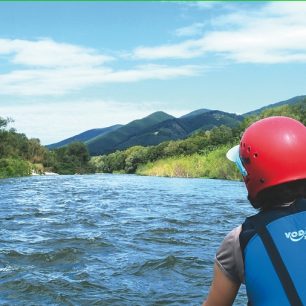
(273, 245)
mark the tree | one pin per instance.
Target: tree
(4, 122)
(79, 151)
(72, 159)
(220, 135)
(135, 156)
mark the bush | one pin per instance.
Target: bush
(10, 167)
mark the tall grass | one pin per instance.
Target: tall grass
(182, 166)
(212, 165)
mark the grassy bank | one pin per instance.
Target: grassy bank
(212, 165)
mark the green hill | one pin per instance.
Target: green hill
(120, 138)
(85, 136)
(292, 101)
(209, 120)
(196, 112)
(157, 128)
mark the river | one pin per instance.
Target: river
(113, 239)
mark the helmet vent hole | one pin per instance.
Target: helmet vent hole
(262, 180)
(255, 155)
(244, 145)
(249, 149)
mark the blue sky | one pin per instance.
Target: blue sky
(66, 67)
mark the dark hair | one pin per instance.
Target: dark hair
(278, 195)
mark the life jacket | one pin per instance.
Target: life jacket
(273, 245)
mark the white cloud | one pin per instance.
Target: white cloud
(192, 30)
(48, 53)
(275, 33)
(40, 82)
(46, 67)
(53, 122)
(185, 50)
(272, 33)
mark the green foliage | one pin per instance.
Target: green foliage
(212, 165)
(10, 167)
(291, 102)
(72, 159)
(135, 156)
(4, 122)
(16, 145)
(20, 155)
(182, 166)
(200, 155)
(296, 111)
(121, 161)
(218, 166)
(16, 152)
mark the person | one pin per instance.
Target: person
(267, 252)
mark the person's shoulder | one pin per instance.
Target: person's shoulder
(234, 233)
(228, 255)
(230, 241)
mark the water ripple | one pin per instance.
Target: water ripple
(113, 239)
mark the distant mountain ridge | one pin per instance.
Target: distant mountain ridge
(291, 101)
(196, 112)
(85, 136)
(159, 127)
(117, 140)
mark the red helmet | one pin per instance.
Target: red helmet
(272, 151)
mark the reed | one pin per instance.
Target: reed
(211, 165)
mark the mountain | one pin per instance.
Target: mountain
(179, 128)
(85, 136)
(294, 100)
(122, 137)
(196, 112)
(151, 130)
(157, 128)
(210, 119)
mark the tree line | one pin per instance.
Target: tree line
(201, 154)
(20, 156)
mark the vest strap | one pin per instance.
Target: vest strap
(279, 266)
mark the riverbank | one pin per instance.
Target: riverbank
(213, 165)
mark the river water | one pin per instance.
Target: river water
(113, 239)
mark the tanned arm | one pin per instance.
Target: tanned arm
(223, 291)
